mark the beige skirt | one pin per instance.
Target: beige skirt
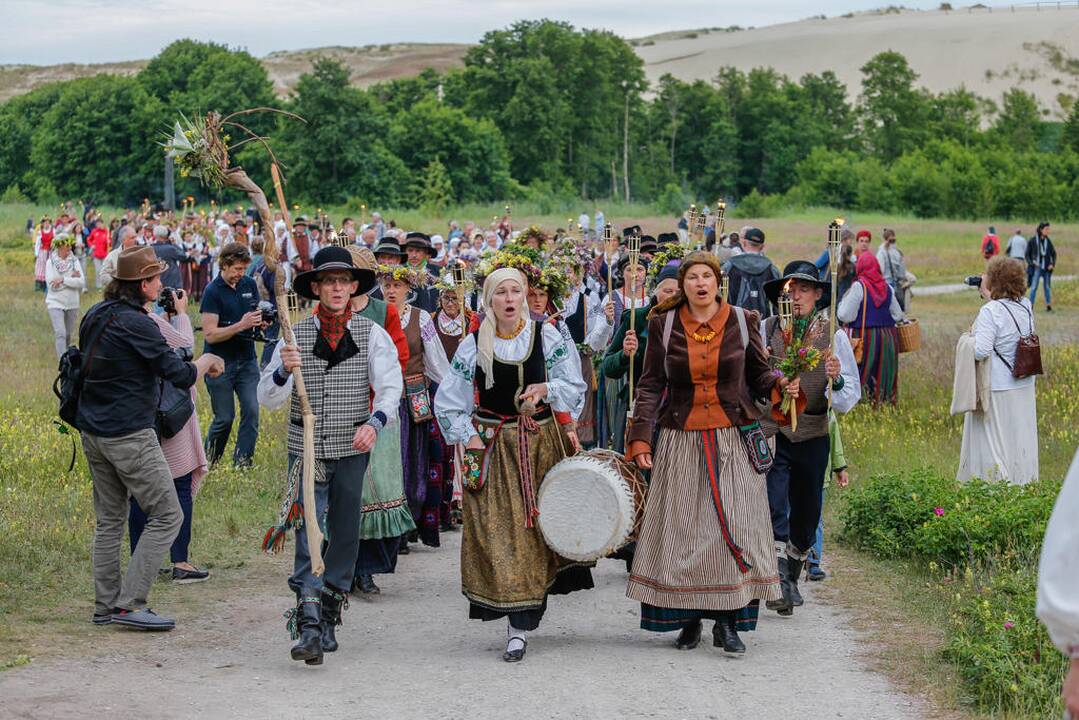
(683, 560)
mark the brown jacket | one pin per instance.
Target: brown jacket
(742, 375)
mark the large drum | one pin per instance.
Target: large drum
(591, 505)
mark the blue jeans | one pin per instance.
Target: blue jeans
(136, 521)
(242, 378)
(1047, 276)
(816, 553)
(339, 506)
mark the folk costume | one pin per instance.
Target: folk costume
(344, 357)
(704, 548)
(796, 480)
(421, 443)
(870, 311)
(613, 398)
(591, 331)
(42, 249)
(386, 516)
(507, 570)
(426, 294)
(451, 331)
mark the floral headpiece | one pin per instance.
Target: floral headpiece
(554, 281)
(63, 239)
(401, 273)
(532, 231)
(671, 251)
(571, 255)
(521, 258)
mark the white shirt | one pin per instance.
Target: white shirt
(994, 328)
(597, 329)
(383, 372)
(435, 364)
(456, 399)
(892, 267)
(1017, 247)
(66, 297)
(851, 303)
(1058, 571)
(844, 399)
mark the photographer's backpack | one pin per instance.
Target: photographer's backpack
(68, 383)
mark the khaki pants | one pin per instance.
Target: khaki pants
(121, 466)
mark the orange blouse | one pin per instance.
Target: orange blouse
(706, 413)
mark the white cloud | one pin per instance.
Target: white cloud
(89, 31)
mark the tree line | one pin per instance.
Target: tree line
(545, 112)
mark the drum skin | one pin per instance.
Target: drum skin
(590, 505)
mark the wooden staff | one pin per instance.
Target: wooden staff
(834, 247)
(457, 275)
(634, 258)
(310, 508)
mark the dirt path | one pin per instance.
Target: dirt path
(950, 288)
(412, 654)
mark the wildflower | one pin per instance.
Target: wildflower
(939, 511)
(1009, 625)
(933, 566)
(1014, 688)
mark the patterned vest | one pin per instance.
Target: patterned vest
(340, 397)
(813, 421)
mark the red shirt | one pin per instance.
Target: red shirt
(990, 246)
(99, 242)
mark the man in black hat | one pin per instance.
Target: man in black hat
(796, 480)
(419, 250)
(345, 358)
(299, 250)
(748, 273)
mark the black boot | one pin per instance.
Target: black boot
(794, 569)
(308, 627)
(725, 635)
(785, 605)
(333, 602)
(365, 584)
(690, 636)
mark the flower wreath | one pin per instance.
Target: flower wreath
(401, 273)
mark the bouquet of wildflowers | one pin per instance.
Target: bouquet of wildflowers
(800, 357)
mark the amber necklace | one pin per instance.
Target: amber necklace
(515, 333)
(706, 338)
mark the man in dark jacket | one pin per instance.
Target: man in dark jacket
(1041, 259)
(749, 272)
(125, 361)
(171, 255)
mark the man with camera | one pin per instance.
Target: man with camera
(126, 359)
(230, 317)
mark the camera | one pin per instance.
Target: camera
(269, 312)
(974, 281)
(166, 300)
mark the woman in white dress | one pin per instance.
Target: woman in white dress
(1001, 442)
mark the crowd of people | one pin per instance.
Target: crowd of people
(448, 374)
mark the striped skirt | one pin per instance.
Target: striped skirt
(684, 567)
(879, 368)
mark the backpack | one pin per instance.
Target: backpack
(68, 383)
(987, 247)
(750, 295)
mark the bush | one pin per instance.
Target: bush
(14, 195)
(942, 521)
(999, 648)
(672, 201)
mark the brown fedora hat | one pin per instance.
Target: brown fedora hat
(138, 263)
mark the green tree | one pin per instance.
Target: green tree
(472, 150)
(894, 112)
(1019, 123)
(339, 152)
(18, 119)
(1070, 136)
(100, 138)
(433, 190)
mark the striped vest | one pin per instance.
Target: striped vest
(340, 397)
(813, 421)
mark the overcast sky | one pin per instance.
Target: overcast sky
(44, 32)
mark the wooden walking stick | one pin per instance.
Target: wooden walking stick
(200, 150)
(634, 243)
(834, 247)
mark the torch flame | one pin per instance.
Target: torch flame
(786, 287)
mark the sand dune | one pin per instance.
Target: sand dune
(987, 51)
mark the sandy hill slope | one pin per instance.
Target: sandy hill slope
(988, 51)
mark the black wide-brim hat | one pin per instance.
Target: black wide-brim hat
(648, 244)
(332, 258)
(421, 241)
(799, 270)
(667, 237)
(388, 246)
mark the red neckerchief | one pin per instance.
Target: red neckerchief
(333, 326)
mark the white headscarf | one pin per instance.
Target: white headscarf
(485, 342)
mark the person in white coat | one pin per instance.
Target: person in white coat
(1001, 442)
(1058, 583)
(64, 284)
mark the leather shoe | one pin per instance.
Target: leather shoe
(725, 636)
(366, 585)
(512, 656)
(690, 636)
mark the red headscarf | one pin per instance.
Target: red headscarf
(868, 273)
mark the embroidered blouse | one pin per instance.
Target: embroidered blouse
(456, 398)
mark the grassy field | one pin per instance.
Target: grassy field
(46, 518)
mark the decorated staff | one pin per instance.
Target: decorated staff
(608, 241)
(634, 260)
(834, 246)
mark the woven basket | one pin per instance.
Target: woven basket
(910, 336)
